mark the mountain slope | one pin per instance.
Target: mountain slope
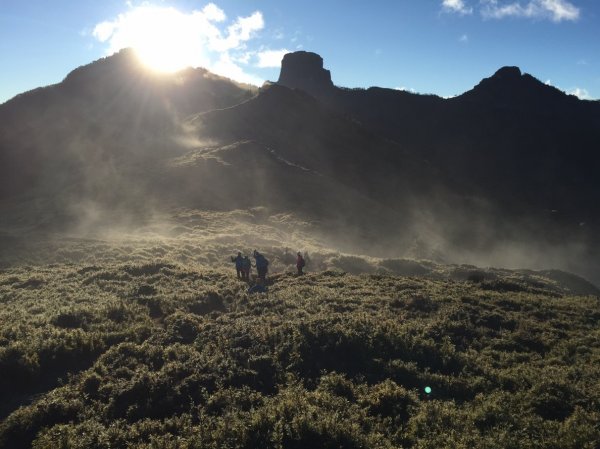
(512, 139)
(519, 157)
(503, 174)
(111, 113)
(302, 131)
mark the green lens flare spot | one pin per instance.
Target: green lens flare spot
(427, 390)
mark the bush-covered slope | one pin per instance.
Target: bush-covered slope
(150, 352)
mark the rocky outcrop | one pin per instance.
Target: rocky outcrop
(304, 70)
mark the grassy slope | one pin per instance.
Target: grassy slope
(148, 343)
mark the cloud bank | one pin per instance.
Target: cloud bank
(554, 10)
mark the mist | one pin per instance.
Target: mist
(196, 164)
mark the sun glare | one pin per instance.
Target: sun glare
(164, 39)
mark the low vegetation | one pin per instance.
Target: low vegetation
(130, 347)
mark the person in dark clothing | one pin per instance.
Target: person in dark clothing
(300, 262)
(238, 264)
(246, 264)
(262, 266)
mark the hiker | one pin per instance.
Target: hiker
(300, 262)
(238, 264)
(262, 265)
(246, 264)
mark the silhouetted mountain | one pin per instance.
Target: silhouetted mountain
(107, 118)
(511, 139)
(509, 88)
(508, 166)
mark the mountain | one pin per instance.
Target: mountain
(124, 193)
(524, 151)
(511, 138)
(110, 114)
(502, 174)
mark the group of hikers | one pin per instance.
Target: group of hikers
(243, 266)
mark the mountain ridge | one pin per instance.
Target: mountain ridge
(461, 174)
(508, 106)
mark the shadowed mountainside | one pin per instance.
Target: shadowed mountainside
(105, 123)
(522, 143)
(523, 153)
(503, 174)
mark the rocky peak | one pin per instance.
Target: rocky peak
(507, 73)
(304, 70)
(505, 81)
(510, 87)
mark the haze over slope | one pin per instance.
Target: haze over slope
(503, 174)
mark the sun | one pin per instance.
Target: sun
(164, 39)
(162, 56)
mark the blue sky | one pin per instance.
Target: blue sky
(443, 47)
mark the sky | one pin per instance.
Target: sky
(442, 47)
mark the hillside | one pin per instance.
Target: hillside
(522, 145)
(439, 308)
(148, 341)
(502, 175)
(104, 124)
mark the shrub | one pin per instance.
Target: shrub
(421, 303)
(390, 400)
(211, 302)
(72, 319)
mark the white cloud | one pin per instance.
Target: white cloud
(560, 9)
(225, 66)
(244, 58)
(213, 13)
(176, 38)
(103, 31)
(464, 38)
(271, 58)
(457, 6)
(241, 31)
(555, 10)
(582, 94)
